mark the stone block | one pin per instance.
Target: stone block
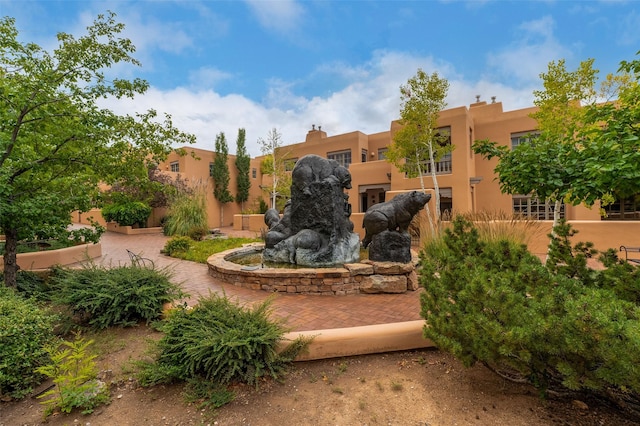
(384, 284)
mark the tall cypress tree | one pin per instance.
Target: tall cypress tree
(243, 163)
(220, 175)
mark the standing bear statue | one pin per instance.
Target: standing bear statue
(389, 222)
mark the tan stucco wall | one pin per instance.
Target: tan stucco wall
(49, 258)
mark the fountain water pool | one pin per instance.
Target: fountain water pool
(352, 278)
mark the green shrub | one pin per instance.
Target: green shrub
(263, 206)
(560, 326)
(25, 331)
(73, 371)
(29, 285)
(221, 342)
(120, 296)
(186, 212)
(177, 245)
(197, 234)
(127, 213)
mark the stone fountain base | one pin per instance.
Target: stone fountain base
(368, 277)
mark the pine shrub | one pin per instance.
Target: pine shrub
(25, 331)
(120, 296)
(221, 342)
(560, 326)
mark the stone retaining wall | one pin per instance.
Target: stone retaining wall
(365, 277)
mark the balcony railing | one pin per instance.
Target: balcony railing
(442, 167)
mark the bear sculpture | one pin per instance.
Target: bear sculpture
(394, 215)
(313, 168)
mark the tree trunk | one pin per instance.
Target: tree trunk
(436, 187)
(556, 220)
(221, 215)
(10, 257)
(431, 225)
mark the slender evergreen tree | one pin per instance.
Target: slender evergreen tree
(243, 162)
(220, 175)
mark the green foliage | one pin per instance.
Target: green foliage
(25, 330)
(221, 171)
(611, 138)
(420, 141)
(263, 207)
(177, 245)
(74, 372)
(221, 342)
(564, 325)
(207, 394)
(187, 211)
(243, 164)
(128, 213)
(154, 187)
(274, 165)
(120, 296)
(58, 145)
(200, 251)
(423, 97)
(87, 234)
(31, 285)
(587, 150)
(197, 234)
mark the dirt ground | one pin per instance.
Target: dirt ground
(422, 387)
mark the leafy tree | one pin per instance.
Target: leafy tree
(419, 141)
(243, 163)
(274, 164)
(156, 188)
(56, 143)
(551, 165)
(611, 139)
(221, 175)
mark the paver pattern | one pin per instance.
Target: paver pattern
(301, 312)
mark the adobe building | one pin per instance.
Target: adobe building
(467, 181)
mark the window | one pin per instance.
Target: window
(533, 208)
(523, 137)
(446, 203)
(364, 155)
(443, 165)
(342, 157)
(627, 208)
(174, 166)
(254, 173)
(211, 169)
(382, 153)
(290, 163)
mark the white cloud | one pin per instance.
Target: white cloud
(367, 104)
(530, 52)
(207, 77)
(282, 16)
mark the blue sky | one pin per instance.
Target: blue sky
(216, 66)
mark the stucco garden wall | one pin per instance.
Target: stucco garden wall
(49, 258)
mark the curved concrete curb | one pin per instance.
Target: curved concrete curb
(368, 339)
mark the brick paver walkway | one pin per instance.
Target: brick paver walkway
(301, 312)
